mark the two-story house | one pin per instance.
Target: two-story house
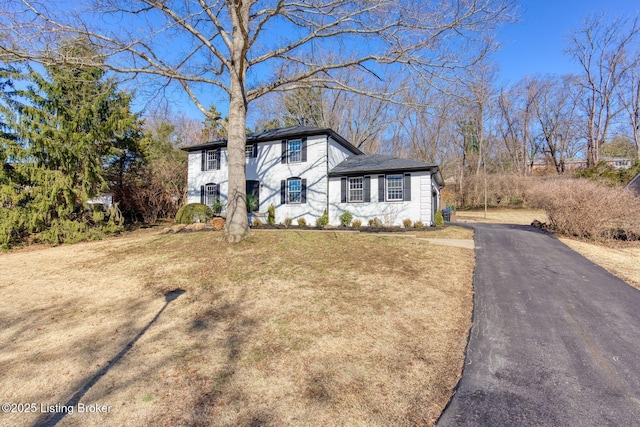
(304, 170)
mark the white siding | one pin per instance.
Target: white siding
(337, 153)
(268, 169)
(390, 213)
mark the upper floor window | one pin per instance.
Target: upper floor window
(356, 193)
(250, 151)
(294, 151)
(395, 187)
(211, 159)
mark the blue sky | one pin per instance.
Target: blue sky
(535, 44)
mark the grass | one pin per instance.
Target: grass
(286, 328)
(503, 216)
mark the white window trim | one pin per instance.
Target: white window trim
(209, 194)
(350, 189)
(387, 178)
(212, 160)
(290, 152)
(289, 192)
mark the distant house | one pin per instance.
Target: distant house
(634, 184)
(304, 171)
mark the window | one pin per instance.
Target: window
(295, 151)
(294, 190)
(356, 193)
(394, 187)
(250, 151)
(209, 194)
(211, 160)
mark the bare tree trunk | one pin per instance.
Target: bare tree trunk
(237, 224)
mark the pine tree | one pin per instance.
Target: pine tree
(62, 128)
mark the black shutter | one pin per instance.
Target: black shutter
(283, 156)
(218, 158)
(283, 192)
(303, 191)
(304, 149)
(406, 193)
(381, 188)
(343, 190)
(366, 189)
(217, 190)
(254, 150)
(202, 194)
(203, 160)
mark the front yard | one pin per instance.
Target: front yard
(286, 328)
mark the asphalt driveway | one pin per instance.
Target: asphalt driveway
(555, 338)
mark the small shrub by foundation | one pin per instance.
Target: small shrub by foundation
(407, 223)
(345, 218)
(257, 222)
(323, 220)
(375, 223)
(356, 223)
(418, 224)
(302, 222)
(288, 221)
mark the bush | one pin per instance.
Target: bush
(323, 221)
(439, 219)
(356, 223)
(257, 222)
(194, 212)
(407, 223)
(375, 223)
(302, 222)
(345, 219)
(288, 221)
(271, 215)
(585, 208)
(418, 224)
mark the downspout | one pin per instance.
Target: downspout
(327, 175)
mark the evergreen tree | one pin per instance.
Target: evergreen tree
(62, 128)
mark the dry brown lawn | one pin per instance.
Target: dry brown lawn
(286, 328)
(503, 216)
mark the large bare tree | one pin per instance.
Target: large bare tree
(607, 51)
(249, 48)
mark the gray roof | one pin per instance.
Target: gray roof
(634, 184)
(379, 163)
(281, 133)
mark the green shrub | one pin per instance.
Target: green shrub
(407, 223)
(288, 221)
(439, 219)
(356, 223)
(194, 212)
(323, 221)
(271, 215)
(418, 224)
(217, 206)
(375, 223)
(302, 222)
(345, 218)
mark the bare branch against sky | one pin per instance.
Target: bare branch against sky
(246, 49)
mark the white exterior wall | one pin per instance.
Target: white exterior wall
(336, 153)
(390, 213)
(268, 169)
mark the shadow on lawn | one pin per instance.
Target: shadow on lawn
(52, 420)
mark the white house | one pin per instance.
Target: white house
(304, 170)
